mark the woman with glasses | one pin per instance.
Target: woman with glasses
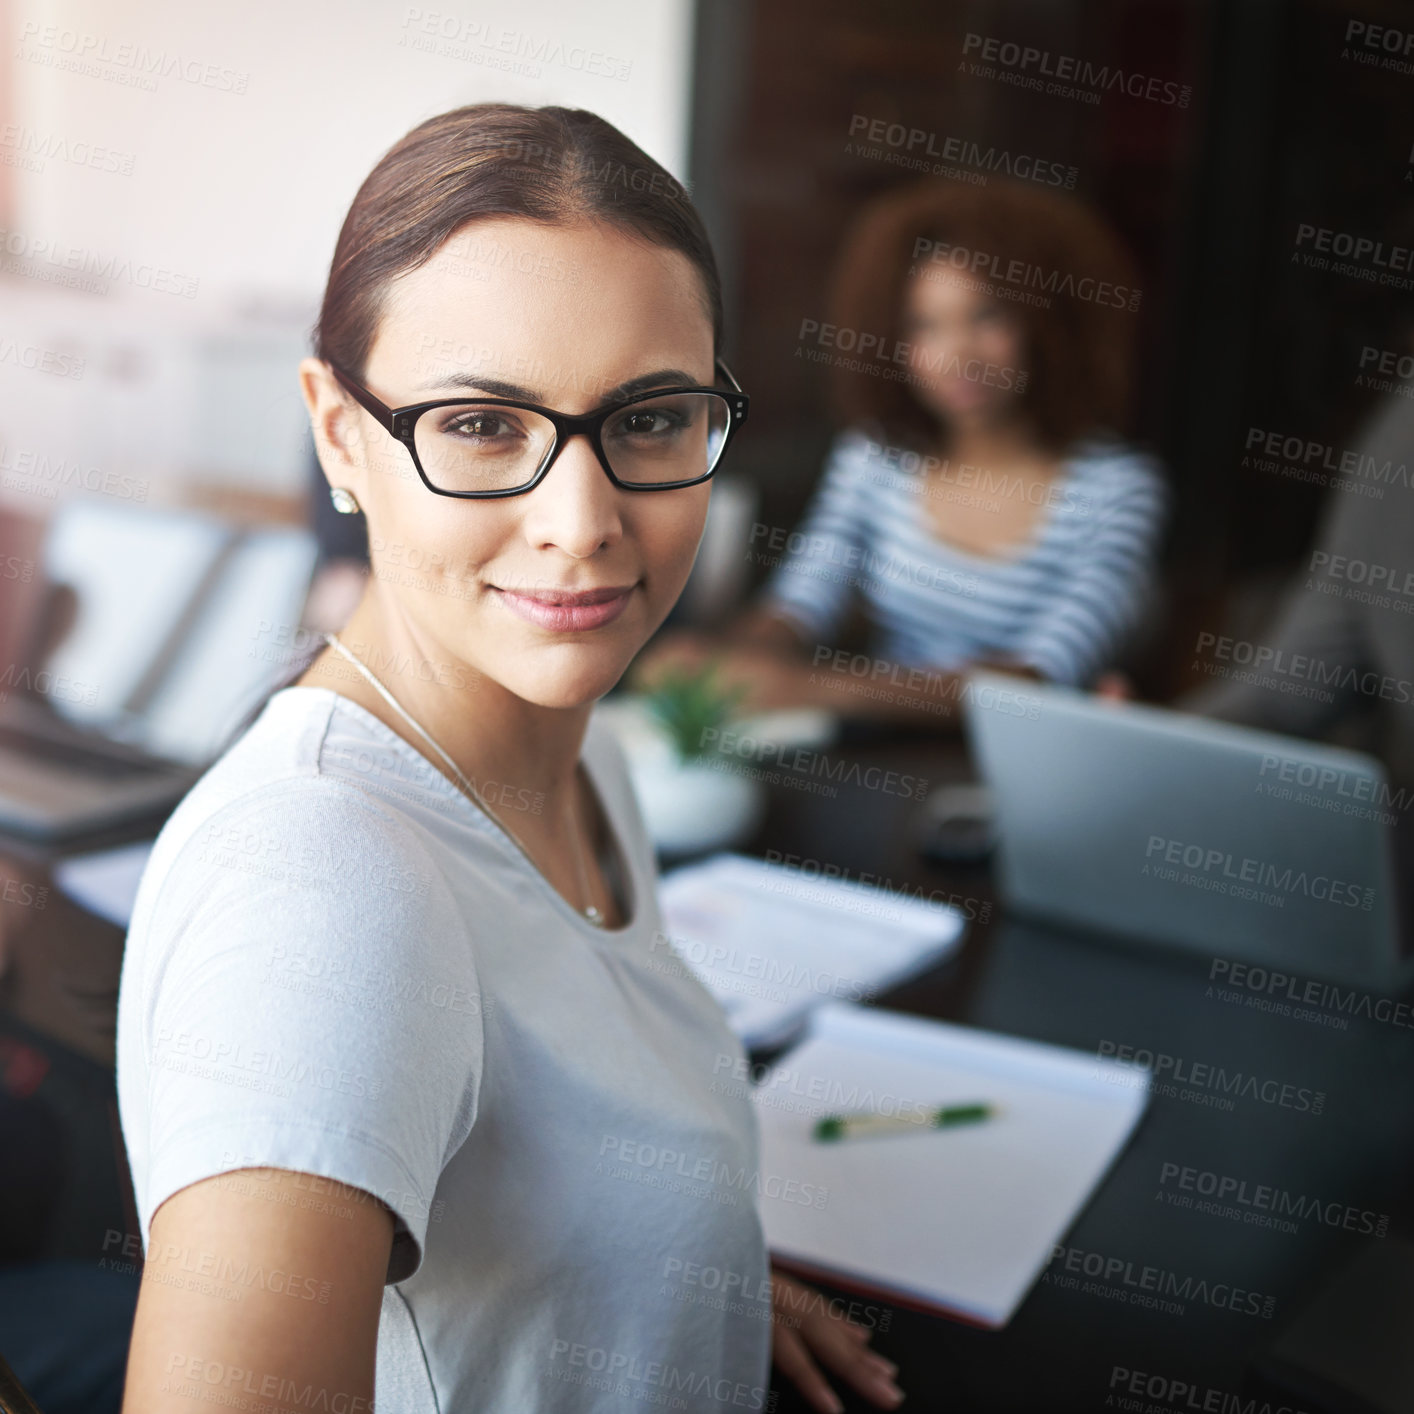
(979, 504)
(414, 1088)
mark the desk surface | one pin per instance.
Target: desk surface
(1349, 1164)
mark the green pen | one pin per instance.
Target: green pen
(857, 1126)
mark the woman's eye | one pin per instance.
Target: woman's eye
(479, 425)
(648, 422)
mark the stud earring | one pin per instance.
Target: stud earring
(344, 501)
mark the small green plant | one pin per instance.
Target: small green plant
(692, 706)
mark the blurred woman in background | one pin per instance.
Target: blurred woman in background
(980, 500)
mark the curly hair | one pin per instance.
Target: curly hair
(1044, 254)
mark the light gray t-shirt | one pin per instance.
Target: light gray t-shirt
(337, 964)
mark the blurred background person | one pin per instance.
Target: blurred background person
(980, 503)
(1348, 612)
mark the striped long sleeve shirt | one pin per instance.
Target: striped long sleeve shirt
(1063, 605)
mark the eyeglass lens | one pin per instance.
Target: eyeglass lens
(484, 447)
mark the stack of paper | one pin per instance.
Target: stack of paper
(770, 943)
(961, 1219)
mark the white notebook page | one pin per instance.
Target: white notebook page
(963, 1218)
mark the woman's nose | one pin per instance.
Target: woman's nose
(576, 507)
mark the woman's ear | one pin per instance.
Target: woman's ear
(334, 419)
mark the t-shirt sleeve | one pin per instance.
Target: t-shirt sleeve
(1104, 596)
(311, 1003)
(811, 584)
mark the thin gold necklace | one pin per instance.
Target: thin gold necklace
(589, 911)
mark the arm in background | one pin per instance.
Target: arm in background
(769, 643)
(1085, 623)
(772, 649)
(1326, 628)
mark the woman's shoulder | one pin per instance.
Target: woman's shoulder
(859, 464)
(278, 766)
(859, 447)
(268, 811)
(300, 985)
(1113, 470)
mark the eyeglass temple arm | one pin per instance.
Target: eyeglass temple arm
(363, 397)
(730, 377)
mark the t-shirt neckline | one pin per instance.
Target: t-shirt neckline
(488, 823)
(1025, 550)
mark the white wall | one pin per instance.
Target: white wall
(238, 196)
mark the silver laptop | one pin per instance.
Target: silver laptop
(169, 629)
(1157, 825)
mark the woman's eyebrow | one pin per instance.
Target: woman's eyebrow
(663, 378)
(500, 388)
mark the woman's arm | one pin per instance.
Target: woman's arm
(757, 630)
(248, 1291)
(761, 626)
(850, 684)
(1086, 620)
(258, 1028)
(815, 565)
(1324, 627)
(791, 675)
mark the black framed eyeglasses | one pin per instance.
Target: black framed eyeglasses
(484, 447)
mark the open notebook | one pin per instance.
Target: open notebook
(961, 1220)
(770, 944)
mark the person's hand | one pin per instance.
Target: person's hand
(807, 1334)
(1010, 666)
(1114, 687)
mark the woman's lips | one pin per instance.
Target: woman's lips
(568, 612)
(964, 393)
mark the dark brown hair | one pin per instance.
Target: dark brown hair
(1072, 286)
(551, 165)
